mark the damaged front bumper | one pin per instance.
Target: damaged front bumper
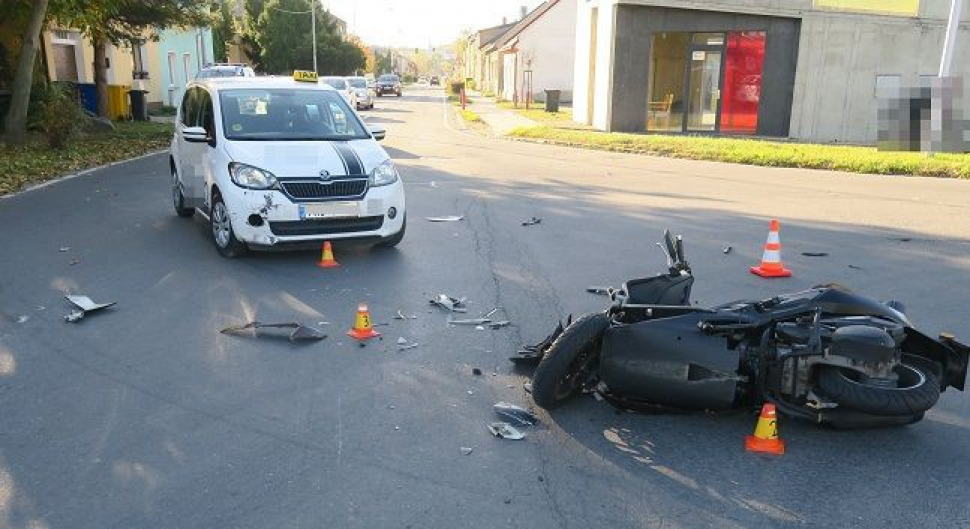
(268, 218)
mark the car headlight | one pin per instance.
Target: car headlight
(251, 177)
(384, 174)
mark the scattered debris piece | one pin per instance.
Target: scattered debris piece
(406, 347)
(480, 328)
(466, 451)
(815, 254)
(532, 354)
(323, 323)
(64, 249)
(532, 222)
(726, 250)
(73, 262)
(493, 311)
(505, 430)
(901, 239)
(603, 291)
(527, 387)
(400, 315)
(447, 218)
(433, 184)
(516, 415)
(447, 302)
(471, 321)
(22, 318)
(476, 371)
(508, 500)
(470, 392)
(854, 267)
(499, 324)
(300, 332)
(402, 341)
(86, 305)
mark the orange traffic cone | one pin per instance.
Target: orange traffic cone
(771, 265)
(326, 258)
(363, 330)
(765, 438)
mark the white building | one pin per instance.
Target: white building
(805, 69)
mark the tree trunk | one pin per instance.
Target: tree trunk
(101, 74)
(15, 127)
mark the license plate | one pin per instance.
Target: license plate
(329, 210)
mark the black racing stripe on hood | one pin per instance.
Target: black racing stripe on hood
(350, 159)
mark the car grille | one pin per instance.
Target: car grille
(326, 226)
(336, 189)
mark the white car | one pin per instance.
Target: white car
(365, 101)
(340, 84)
(274, 162)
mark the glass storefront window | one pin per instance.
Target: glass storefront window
(665, 94)
(742, 82)
(708, 39)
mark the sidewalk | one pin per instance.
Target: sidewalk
(500, 120)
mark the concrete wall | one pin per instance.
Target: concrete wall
(549, 44)
(840, 54)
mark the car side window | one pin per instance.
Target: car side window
(339, 118)
(206, 116)
(189, 113)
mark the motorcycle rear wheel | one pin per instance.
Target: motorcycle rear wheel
(918, 390)
(567, 363)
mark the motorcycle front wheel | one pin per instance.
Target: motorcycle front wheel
(916, 390)
(569, 360)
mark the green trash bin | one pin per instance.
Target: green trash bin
(552, 100)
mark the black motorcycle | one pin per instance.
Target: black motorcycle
(826, 354)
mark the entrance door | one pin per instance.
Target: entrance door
(704, 93)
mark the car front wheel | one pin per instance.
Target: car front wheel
(221, 228)
(178, 199)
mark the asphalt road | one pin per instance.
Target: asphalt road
(145, 416)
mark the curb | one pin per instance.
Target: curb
(83, 172)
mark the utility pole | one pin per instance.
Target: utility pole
(313, 30)
(952, 31)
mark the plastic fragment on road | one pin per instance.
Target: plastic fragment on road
(815, 254)
(446, 218)
(516, 415)
(299, 332)
(532, 354)
(64, 249)
(499, 324)
(532, 222)
(471, 321)
(726, 250)
(466, 451)
(86, 305)
(447, 302)
(476, 371)
(504, 430)
(400, 315)
(603, 291)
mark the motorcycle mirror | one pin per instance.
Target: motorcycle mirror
(681, 258)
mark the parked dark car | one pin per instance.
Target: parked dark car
(389, 84)
(435, 81)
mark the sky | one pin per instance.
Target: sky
(420, 23)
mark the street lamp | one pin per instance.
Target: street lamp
(952, 31)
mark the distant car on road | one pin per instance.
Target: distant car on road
(389, 84)
(236, 159)
(435, 81)
(422, 80)
(359, 86)
(340, 84)
(225, 70)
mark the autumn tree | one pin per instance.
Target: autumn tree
(283, 32)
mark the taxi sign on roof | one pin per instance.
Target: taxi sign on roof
(304, 76)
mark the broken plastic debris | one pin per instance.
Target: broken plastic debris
(447, 302)
(64, 249)
(471, 321)
(447, 218)
(515, 414)
(400, 315)
(493, 311)
(726, 249)
(476, 371)
(527, 387)
(532, 354)
(532, 222)
(86, 305)
(466, 450)
(403, 344)
(505, 430)
(605, 291)
(499, 324)
(300, 332)
(402, 341)
(22, 318)
(73, 262)
(815, 254)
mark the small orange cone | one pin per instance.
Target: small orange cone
(765, 438)
(771, 265)
(363, 330)
(326, 258)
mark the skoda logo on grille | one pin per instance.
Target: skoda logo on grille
(324, 175)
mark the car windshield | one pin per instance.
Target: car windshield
(337, 82)
(357, 82)
(388, 78)
(288, 114)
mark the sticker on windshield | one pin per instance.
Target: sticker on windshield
(236, 127)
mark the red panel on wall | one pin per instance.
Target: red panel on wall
(742, 82)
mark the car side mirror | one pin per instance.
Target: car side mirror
(195, 134)
(377, 132)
